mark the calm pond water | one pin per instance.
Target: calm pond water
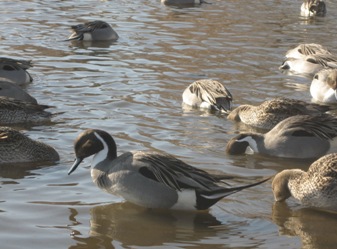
(132, 88)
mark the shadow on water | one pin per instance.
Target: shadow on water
(316, 228)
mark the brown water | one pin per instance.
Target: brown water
(132, 88)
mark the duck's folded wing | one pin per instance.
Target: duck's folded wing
(174, 173)
(322, 126)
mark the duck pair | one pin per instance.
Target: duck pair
(308, 59)
(317, 62)
(18, 107)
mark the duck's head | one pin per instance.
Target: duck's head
(240, 144)
(280, 186)
(91, 142)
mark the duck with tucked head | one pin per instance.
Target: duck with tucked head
(311, 8)
(309, 65)
(323, 86)
(16, 147)
(149, 179)
(271, 112)
(300, 136)
(316, 188)
(208, 94)
(93, 31)
(302, 50)
(15, 70)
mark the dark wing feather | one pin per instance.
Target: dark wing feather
(323, 126)
(175, 173)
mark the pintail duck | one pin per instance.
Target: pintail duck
(311, 8)
(15, 70)
(300, 136)
(93, 31)
(310, 65)
(149, 179)
(208, 94)
(16, 147)
(271, 112)
(10, 90)
(14, 111)
(315, 188)
(323, 86)
(302, 50)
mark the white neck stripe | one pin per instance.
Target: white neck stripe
(102, 154)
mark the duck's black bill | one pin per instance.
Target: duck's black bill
(76, 163)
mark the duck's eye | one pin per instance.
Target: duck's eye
(316, 77)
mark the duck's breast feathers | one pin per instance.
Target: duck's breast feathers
(172, 172)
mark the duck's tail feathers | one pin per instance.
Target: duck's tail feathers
(221, 193)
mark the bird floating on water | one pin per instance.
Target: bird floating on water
(149, 179)
(15, 70)
(16, 147)
(300, 136)
(208, 94)
(93, 31)
(316, 187)
(271, 112)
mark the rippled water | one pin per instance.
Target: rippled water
(132, 88)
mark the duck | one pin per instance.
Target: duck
(15, 111)
(314, 188)
(15, 147)
(93, 31)
(208, 94)
(310, 64)
(310, 8)
(300, 136)
(15, 70)
(270, 112)
(147, 178)
(323, 86)
(11, 90)
(305, 49)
